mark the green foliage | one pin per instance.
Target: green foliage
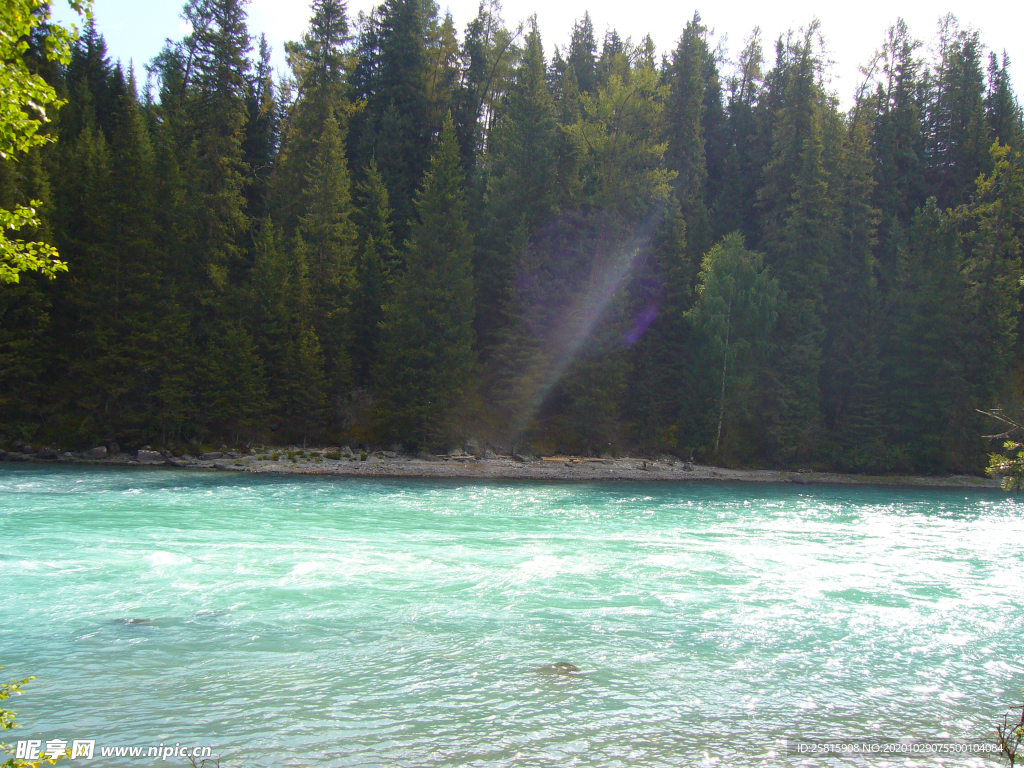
(326, 256)
(618, 132)
(7, 723)
(17, 256)
(736, 309)
(24, 98)
(1008, 466)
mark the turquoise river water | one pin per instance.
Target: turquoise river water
(300, 621)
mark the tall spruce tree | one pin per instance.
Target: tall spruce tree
(521, 189)
(329, 235)
(898, 142)
(684, 118)
(377, 267)
(318, 65)
(850, 380)
(799, 241)
(427, 354)
(1005, 120)
(745, 154)
(395, 128)
(957, 135)
(926, 391)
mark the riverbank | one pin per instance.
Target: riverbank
(565, 468)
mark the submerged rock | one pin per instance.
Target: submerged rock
(558, 668)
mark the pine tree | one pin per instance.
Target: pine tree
(521, 188)
(235, 385)
(1005, 120)
(799, 243)
(745, 155)
(923, 371)
(395, 128)
(850, 383)
(898, 142)
(261, 134)
(273, 314)
(318, 65)
(217, 75)
(957, 135)
(667, 394)
(582, 55)
(488, 61)
(377, 266)
(684, 117)
(618, 138)
(329, 235)
(427, 354)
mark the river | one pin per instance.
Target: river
(299, 621)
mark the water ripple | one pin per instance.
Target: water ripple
(289, 621)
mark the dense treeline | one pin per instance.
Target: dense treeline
(419, 237)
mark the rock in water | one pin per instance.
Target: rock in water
(558, 668)
(799, 479)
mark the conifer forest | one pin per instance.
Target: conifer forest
(418, 234)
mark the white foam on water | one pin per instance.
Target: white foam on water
(303, 568)
(166, 559)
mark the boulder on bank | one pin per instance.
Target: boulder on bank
(489, 454)
(210, 455)
(99, 452)
(148, 457)
(113, 449)
(48, 453)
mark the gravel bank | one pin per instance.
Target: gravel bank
(381, 464)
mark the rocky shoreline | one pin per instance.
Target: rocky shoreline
(484, 466)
